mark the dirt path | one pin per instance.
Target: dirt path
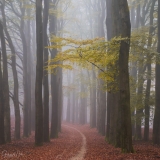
(82, 152)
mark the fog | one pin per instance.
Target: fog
(85, 62)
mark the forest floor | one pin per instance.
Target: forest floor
(75, 142)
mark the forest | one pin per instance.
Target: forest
(79, 80)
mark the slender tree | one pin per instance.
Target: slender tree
(25, 67)
(147, 95)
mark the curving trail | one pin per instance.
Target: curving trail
(81, 154)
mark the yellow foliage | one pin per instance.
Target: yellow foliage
(100, 53)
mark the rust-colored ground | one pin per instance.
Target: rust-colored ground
(69, 144)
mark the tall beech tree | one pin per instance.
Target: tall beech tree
(109, 95)
(2, 136)
(156, 125)
(39, 75)
(122, 27)
(5, 88)
(45, 74)
(54, 78)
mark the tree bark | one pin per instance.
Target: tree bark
(5, 88)
(2, 136)
(54, 82)
(156, 124)
(121, 25)
(39, 75)
(109, 95)
(25, 78)
(33, 77)
(45, 74)
(102, 109)
(92, 99)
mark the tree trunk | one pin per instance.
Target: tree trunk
(39, 75)
(60, 98)
(68, 108)
(2, 136)
(5, 88)
(33, 77)
(29, 68)
(112, 103)
(82, 106)
(15, 79)
(54, 92)
(109, 95)
(139, 103)
(73, 108)
(25, 78)
(45, 74)
(121, 25)
(54, 81)
(102, 109)
(156, 124)
(93, 101)
(147, 96)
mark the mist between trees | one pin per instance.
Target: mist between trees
(90, 62)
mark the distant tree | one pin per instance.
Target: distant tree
(149, 67)
(68, 112)
(92, 99)
(101, 111)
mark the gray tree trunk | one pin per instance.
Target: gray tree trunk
(45, 73)
(5, 88)
(2, 136)
(156, 124)
(39, 75)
